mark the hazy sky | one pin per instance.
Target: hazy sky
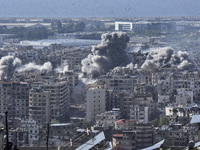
(98, 8)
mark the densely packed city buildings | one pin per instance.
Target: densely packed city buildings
(44, 87)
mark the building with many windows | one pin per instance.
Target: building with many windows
(95, 103)
(144, 135)
(123, 26)
(59, 98)
(39, 105)
(14, 98)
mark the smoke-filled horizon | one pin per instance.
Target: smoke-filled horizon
(107, 55)
(10, 64)
(165, 57)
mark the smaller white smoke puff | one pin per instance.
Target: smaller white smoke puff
(184, 65)
(79, 90)
(63, 68)
(182, 55)
(136, 66)
(17, 62)
(165, 57)
(34, 67)
(85, 81)
(130, 66)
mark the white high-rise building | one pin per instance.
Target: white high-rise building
(123, 26)
(95, 103)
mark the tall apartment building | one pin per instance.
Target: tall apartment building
(39, 105)
(126, 99)
(144, 135)
(59, 98)
(139, 113)
(95, 103)
(125, 140)
(71, 78)
(14, 98)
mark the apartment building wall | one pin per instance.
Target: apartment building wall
(59, 133)
(108, 118)
(14, 98)
(71, 78)
(144, 135)
(175, 135)
(123, 26)
(126, 140)
(178, 82)
(19, 136)
(39, 105)
(59, 98)
(95, 103)
(125, 124)
(140, 113)
(33, 131)
(118, 83)
(184, 96)
(125, 101)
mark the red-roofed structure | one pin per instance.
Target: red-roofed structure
(125, 124)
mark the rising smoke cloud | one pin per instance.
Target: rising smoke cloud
(32, 67)
(78, 93)
(7, 66)
(62, 68)
(107, 55)
(10, 64)
(165, 57)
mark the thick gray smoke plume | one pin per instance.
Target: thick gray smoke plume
(10, 64)
(165, 57)
(107, 55)
(7, 66)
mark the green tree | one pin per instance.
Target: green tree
(155, 122)
(163, 121)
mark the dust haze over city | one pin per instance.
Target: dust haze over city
(99, 74)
